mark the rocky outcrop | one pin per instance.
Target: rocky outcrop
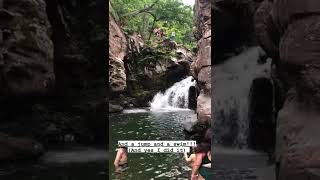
(183, 54)
(118, 47)
(26, 54)
(202, 64)
(135, 44)
(135, 47)
(298, 147)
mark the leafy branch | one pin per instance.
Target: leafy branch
(146, 10)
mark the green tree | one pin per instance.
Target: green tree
(144, 15)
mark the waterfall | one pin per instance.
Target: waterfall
(174, 98)
(232, 83)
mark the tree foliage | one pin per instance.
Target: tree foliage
(169, 15)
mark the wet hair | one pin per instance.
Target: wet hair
(123, 147)
(202, 147)
(201, 132)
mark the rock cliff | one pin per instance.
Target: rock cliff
(26, 49)
(52, 66)
(118, 49)
(294, 45)
(202, 64)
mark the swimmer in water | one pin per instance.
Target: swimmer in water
(121, 160)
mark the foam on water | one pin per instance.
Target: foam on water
(128, 111)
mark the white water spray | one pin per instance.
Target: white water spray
(174, 98)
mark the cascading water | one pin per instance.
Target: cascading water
(176, 97)
(232, 82)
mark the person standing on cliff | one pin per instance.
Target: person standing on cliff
(173, 35)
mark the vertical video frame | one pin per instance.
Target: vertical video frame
(160, 89)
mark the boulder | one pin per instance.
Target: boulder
(113, 108)
(117, 75)
(204, 107)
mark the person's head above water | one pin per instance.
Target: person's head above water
(201, 132)
(123, 147)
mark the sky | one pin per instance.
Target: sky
(189, 2)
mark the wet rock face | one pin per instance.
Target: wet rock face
(298, 144)
(202, 64)
(26, 54)
(118, 46)
(59, 44)
(192, 98)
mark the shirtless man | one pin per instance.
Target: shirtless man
(121, 161)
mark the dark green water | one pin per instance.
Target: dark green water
(151, 126)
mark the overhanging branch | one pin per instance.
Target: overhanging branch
(146, 9)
